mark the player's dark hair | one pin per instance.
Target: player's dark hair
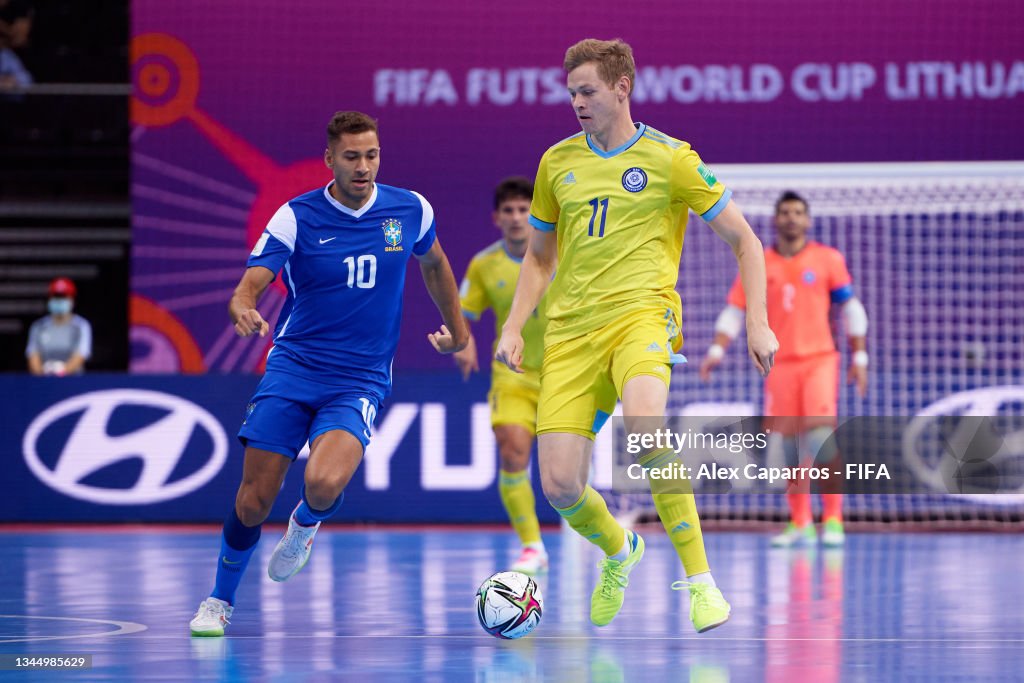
(515, 187)
(350, 122)
(790, 196)
(614, 59)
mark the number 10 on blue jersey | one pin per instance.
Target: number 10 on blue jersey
(362, 272)
(594, 204)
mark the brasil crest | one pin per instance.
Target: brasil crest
(392, 234)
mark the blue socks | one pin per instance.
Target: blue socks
(236, 547)
(239, 542)
(306, 515)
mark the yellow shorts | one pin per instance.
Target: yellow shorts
(513, 397)
(582, 378)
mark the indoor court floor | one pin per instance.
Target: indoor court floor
(396, 604)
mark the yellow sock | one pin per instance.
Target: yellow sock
(590, 518)
(517, 497)
(674, 501)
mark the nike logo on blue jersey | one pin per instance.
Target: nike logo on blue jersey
(325, 241)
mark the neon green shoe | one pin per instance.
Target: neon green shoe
(708, 608)
(795, 536)
(606, 601)
(833, 535)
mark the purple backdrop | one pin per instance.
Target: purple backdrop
(232, 99)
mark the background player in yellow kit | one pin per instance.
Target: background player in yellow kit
(490, 282)
(805, 278)
(610, 207)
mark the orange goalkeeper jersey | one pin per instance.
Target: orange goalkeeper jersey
(801, 289)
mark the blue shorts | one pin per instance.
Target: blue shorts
(286, 411)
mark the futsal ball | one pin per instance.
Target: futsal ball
(509, 605)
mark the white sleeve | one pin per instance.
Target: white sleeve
(730, 321)
(282, 226)
(428, 216)
(856, 318)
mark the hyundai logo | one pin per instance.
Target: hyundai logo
(960, 435)
(159, 445)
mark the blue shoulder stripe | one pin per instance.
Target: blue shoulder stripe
(668, 143)
(658, 133)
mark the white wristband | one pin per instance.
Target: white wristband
(860, 359)
(716, 352)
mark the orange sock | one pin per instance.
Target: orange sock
(800, 508)
(833, 506)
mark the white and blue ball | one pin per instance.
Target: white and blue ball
(509, 605)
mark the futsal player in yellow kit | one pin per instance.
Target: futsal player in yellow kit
(610, 207)
(490, 282)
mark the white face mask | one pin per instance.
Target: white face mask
(59, 305)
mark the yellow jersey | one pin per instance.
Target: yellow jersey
(490, 282)
(619, 217)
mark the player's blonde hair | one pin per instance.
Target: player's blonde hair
(614, 59)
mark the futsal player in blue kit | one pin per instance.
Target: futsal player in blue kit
(342, 251)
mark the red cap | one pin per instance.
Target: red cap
(63, 287)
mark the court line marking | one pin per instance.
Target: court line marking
(123, 628)
(129, 627)
(597, 638)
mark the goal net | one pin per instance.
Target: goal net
(936, 251)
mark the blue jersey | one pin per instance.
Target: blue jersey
(345, 273)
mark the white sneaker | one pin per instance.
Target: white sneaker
(531, 561)
(211, 618)
(292, 551)
(795, 536)
(833, 535)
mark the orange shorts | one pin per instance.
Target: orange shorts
(798, 391)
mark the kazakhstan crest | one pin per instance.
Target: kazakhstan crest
(392, 234)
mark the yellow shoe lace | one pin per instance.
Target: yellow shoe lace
(699, 592)
(612, 577)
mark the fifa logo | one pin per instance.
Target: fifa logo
(392, 234)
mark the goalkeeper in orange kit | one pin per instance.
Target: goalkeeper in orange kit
(805, 279)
